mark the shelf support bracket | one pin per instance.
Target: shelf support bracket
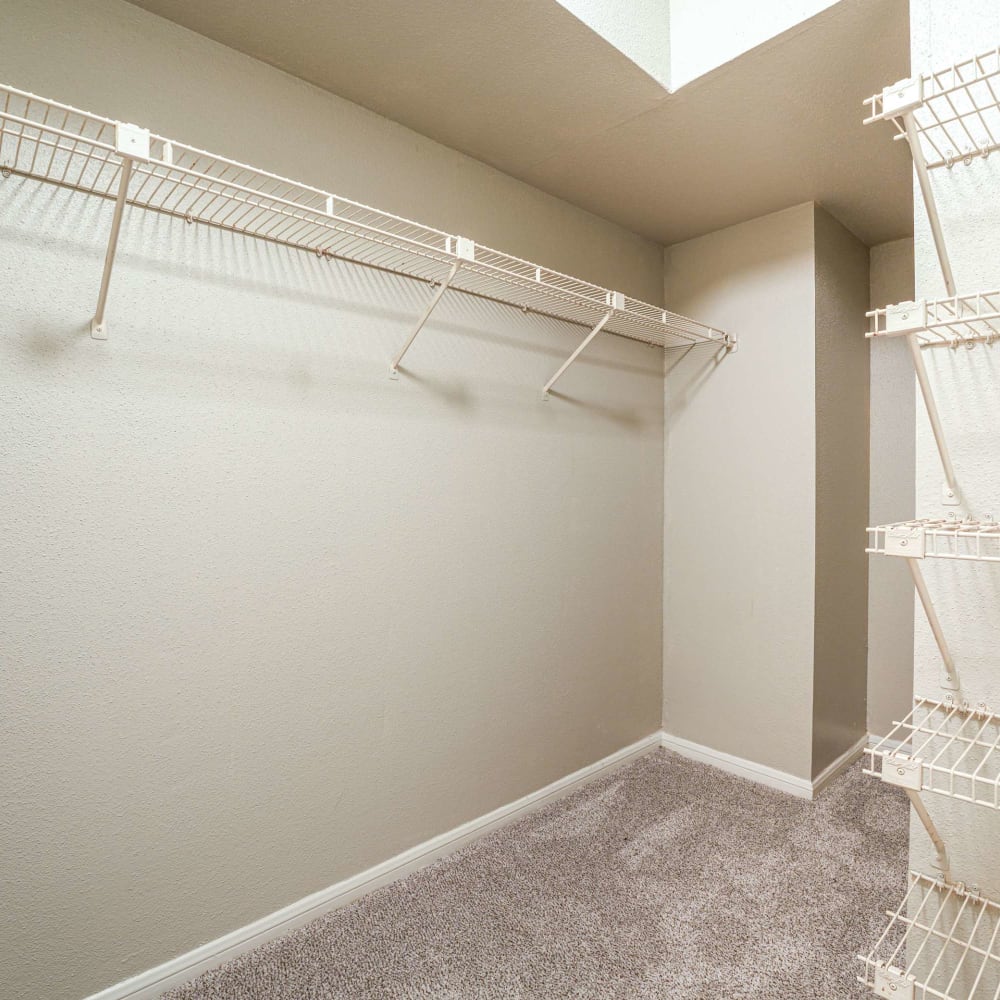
(949, 674)
(951, 495)
(465, 250)
(923, 177)
(617, 301)
(131, 144)
(941, 861)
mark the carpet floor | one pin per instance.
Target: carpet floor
(667, 879)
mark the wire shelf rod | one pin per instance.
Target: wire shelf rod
(934, 538)
(941, 941)
(62, 145)
(944, 748)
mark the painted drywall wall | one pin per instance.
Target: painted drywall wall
(705, 34)
(967, 385)
(640, 31)
(892, 472)
(840, 665)
(269, 617)
(740, 495)
(765, 604)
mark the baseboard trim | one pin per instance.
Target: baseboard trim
(152, 983)
(751, 770)
(841, 764)
(760, 773)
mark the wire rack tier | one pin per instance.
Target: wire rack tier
(53, 142)
(942, 747)
(956, 110)
(937, 538)
(941, 941)
(956, 321)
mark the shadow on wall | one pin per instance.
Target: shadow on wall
(688, 369)
(359, 317)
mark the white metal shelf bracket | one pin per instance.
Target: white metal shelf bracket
(924, 179)
(617, 301)
(910, 543)
(907, 319)
(941, 861)
(950, 494)
(466, 250)
(949, 679)
(131, 144)
(900, 102)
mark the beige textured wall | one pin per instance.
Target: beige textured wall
(840, 668)
(892, 470)
(739, 505)
(268, 617)
(765, 504)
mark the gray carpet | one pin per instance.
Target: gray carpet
(667, 879)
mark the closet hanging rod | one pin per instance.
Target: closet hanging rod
(59, 144)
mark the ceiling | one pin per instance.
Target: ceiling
(526, 87)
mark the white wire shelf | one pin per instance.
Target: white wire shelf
(941, 941)
(62, 145)
(938, 539)
(956, 110)
(942, 747)
(956, 321)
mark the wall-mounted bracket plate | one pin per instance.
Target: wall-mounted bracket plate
(904, 772)
(950, 497)
(949, 682)
(906, 317)
(903, 96)
(907, 541)
(132, 141)
(893, 984)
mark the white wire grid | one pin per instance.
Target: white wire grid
(62, 145)
(940, 942)
(954, 749)
(959, 118)
(940, 539)
(961, 320)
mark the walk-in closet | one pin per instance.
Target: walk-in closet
(500, 500)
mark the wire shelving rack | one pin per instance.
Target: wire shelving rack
(967, 540)
(938, 538)
(59, 144)
(946, 117)
(942, 941)
(956, 110)
(957, 321)
(945, 748)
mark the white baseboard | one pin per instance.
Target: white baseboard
(150, 984)
(752, 771)
(842, 763)
(802, 788)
